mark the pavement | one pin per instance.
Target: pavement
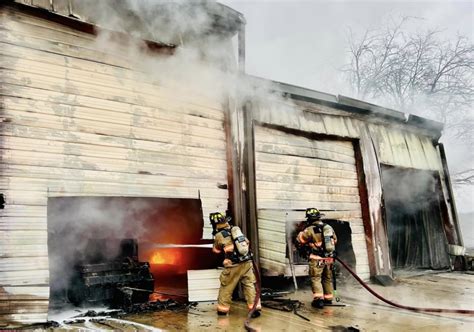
(450, 290)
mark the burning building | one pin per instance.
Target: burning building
(105, 137)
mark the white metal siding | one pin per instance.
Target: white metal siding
(77, 121)
(203, 285)
(294, 173)
(396, 144)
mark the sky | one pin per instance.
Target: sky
(305, 42)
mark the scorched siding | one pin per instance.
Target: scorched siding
(77, 121)
(396, 144)
(381, 141)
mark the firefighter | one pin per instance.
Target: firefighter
(321, 239)
(237, 264)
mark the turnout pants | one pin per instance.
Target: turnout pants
(321, 279)
(229, 279)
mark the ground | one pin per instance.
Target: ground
(362, 311)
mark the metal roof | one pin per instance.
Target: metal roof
(185, 19)
(350, 104)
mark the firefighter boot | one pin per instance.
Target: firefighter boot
(256, 314)
(317, 303)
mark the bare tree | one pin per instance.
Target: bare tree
(416, 72)
(464, 177)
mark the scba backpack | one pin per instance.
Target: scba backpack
(241, 251)
(328, 247)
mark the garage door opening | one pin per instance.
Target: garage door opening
(344, 248)
(101, 247)
(414, 219)
(296, 170)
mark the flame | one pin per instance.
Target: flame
(165, 257)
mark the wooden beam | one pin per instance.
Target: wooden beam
(241, 45)
(250, 182)
(364, 202)
(307, 134)
(234, 144)
(449, 201)
(230, 157)
(373, 182)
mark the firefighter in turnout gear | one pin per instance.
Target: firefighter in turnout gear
(237, 263)
(321, 239)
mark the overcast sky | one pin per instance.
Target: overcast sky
(304, 42)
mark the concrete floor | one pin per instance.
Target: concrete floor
(363, 311)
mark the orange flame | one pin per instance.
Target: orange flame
(165, 257)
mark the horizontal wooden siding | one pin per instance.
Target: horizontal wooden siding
(79, 121)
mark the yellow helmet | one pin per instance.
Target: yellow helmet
(313, 213)
(216, 218)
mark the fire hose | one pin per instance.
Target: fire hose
(364, 284)
(258, 291)
(380, 297)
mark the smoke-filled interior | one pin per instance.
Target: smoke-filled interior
(103, 231)
(414, 219)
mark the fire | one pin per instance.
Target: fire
(165, 257)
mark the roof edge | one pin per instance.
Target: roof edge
(351, 105)
(77, 24)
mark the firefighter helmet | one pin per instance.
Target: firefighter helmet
(217, 218)
(313, 214)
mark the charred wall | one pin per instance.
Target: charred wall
(414, 219)
(303, 129)
(78, 120)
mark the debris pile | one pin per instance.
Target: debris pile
(119, 281)
(107, 317)
(159, 306)
(271, 299)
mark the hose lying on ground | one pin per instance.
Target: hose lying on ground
(451, 311)
(258, 291)
(364, 284)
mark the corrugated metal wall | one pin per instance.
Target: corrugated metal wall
(294, 173)
(79, 122)
(396, 144)
(272, 239)
(391, 143)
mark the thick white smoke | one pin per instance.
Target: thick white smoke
(202, 63)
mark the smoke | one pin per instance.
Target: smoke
(72, 222)
(204, 60)
(175, 21)
(414, 219)
(411, 189)
(90, 229)
(203, 65)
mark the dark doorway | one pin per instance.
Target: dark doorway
(166, 233)
(414, 219)
(344, 248)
